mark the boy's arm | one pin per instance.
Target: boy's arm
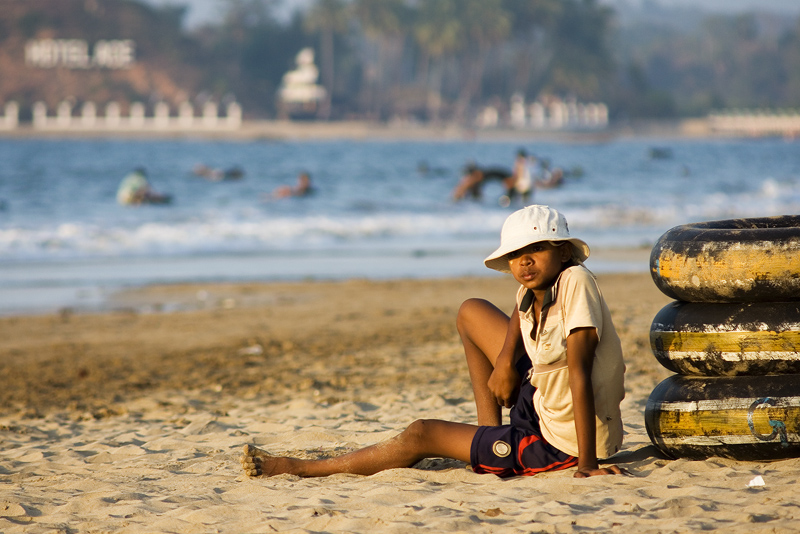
(504, 380)
(581, 346)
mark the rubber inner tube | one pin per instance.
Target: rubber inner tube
(728, 339)
(735, 260)
(742, 417)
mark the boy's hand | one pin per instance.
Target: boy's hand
(504, 385)
(586, 472)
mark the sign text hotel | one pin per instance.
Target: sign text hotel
(74, 54)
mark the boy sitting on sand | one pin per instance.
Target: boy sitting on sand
(560, 339)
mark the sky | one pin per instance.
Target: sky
(720, 6)
(202, 11)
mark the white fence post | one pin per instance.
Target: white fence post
(64, 114)
(210, 114)
(185, 115)
(137, 115)
(40, 115)
(234, 115)
(88, 114)
(11, 116)
(112, 118)
(162, 116)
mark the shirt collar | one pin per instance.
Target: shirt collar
(526, 303)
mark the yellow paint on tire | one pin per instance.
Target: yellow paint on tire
(728, 339)
(745, 418)
(737, 260)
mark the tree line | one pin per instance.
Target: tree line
(436, 60)
(443, 60)
(428, 60)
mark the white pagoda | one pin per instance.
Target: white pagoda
(299, 94)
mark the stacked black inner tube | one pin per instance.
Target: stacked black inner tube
(732, 335)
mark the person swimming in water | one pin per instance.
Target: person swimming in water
(218, 175)
(471, 183)
(135, 189)
(521, 181)
(302, 188)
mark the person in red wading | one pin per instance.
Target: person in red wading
(556, 362)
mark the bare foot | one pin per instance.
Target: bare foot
(259, 463)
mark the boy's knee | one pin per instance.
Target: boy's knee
(416, 432)
(467, 310)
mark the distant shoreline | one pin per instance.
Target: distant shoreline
(64, 284)
(363, 130)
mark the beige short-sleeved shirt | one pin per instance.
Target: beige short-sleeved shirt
(574, 301)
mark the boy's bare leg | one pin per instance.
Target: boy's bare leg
(482, 327)
(422, 439)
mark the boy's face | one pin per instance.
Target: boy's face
(538, 265)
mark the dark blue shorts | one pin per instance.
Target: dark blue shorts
(518, 448)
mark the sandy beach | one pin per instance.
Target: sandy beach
(133, 420)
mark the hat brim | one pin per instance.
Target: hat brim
(498, 261)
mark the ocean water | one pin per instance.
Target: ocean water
(380, 209)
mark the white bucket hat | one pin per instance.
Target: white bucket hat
(531, 225)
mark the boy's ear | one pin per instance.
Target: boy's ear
(566, 251)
